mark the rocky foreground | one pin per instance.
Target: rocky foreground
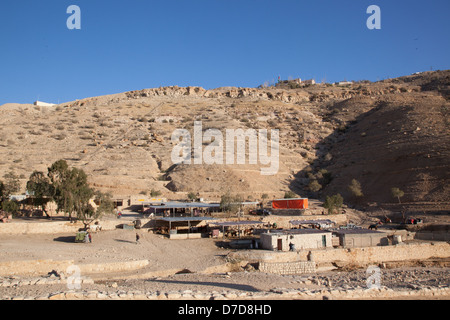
(410, 283)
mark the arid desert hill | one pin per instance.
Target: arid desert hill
(392, 133)
(402, 142)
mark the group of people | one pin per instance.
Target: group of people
(118, 213)
(88, 238)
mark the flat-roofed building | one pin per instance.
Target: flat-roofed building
(354, 238)
(295, 239)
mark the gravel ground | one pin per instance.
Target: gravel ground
(192, 256)
(240, 284)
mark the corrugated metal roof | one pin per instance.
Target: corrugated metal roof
(325, 221)
(185, 219)
(179, 205)
(289, 199)
(355, 231)
(236, 223)
(298, 231)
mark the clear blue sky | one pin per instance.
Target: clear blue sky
(137, 44)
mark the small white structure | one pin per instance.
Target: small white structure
(43, 104)
(296, 239)
(345, 83)
(17, 197)
(309, 82)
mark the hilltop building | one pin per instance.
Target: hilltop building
(43, 104)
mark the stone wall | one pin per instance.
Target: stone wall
(184, 236)
(50, 227)
(355, 256)
(43, 267)
(283, 221)
(297, 267)
(113, 266)
(32, 267)
(401, 252)
(55, 227)
(435, 235)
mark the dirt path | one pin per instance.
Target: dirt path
(113, 246)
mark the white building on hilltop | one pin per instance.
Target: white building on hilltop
(43, 104)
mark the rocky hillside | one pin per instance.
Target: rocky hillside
(403, 142)
(392, 133)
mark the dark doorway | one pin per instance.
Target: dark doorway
(324, 241)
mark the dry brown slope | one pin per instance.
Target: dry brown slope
(123, 141)
(404, 142)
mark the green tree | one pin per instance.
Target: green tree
(314, 185)
(87, 214)
(289, 195)
(59, 175)
(192, 196)
(72, 191)
(2, 190)
(333, 203)
(355, 188)
(10, 185)
(105, 204)
(230, 203)
(155, 193)
(264, 196)
(10, 206)
(397, 193)
(40, 189)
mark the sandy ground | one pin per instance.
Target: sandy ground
(194, 255)
(113, 246)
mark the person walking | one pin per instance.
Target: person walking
(137, 238)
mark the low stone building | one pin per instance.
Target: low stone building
(296, 239)
(355, 238)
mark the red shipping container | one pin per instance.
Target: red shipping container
(300, 203)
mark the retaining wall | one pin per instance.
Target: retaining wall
(32, 267)
(297, 267)
(55, 227)
(283, 221)
(401, 252)
(184, 236)
(355, 256)
(435, 235)
(43, 267)
(39, 227)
